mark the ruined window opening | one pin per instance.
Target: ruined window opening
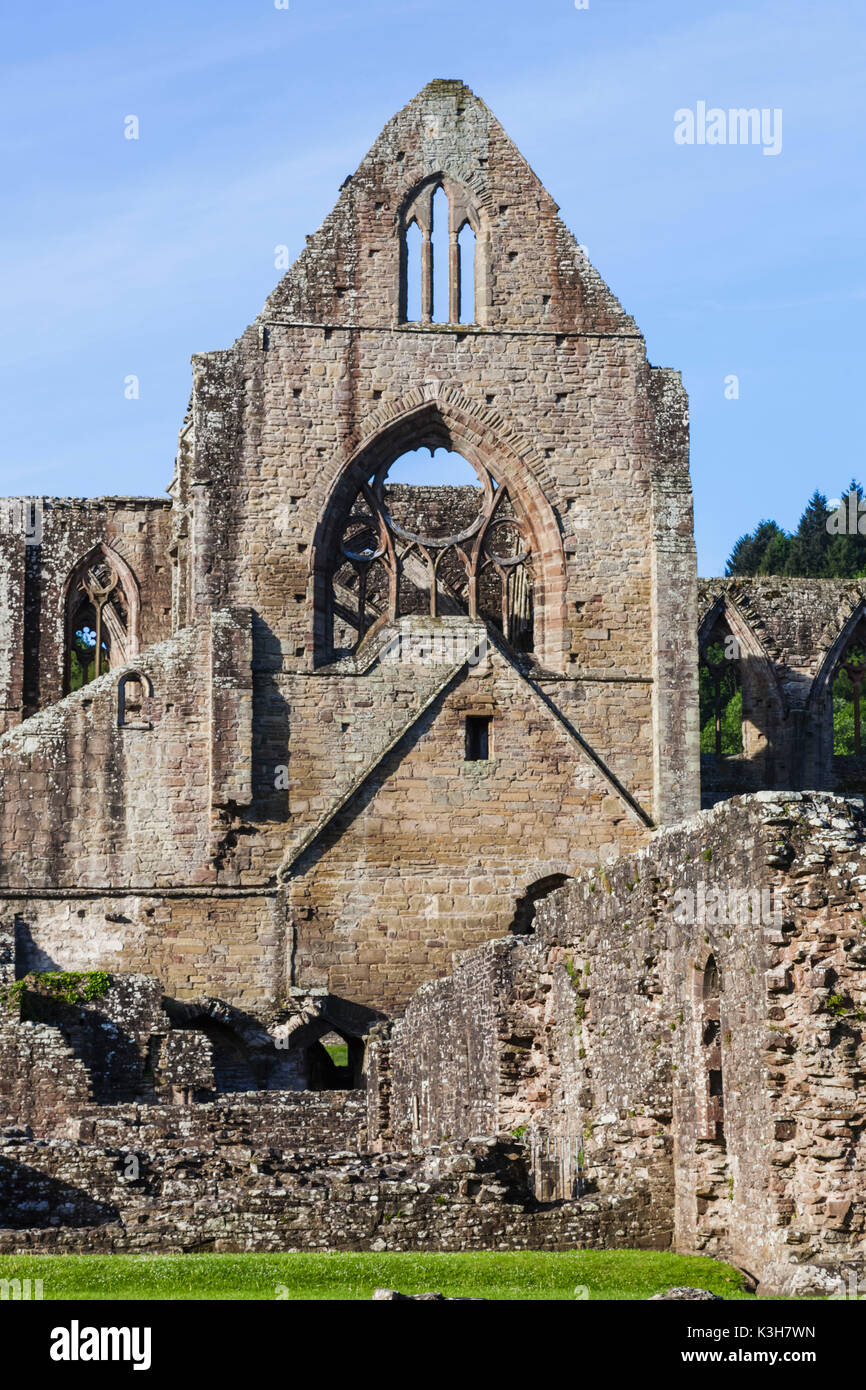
(440, 265)
(133, 689)
(847, 697)
(100, 613)
(448, 541)
(711, 1053)
(721, 694)
(478, 731)
(441, 256)
(87, 634)
(466, 243)
(413, 272)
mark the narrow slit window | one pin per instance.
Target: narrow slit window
(466, 244)
(478, 738)
(441, 257)
(413, 273)
(441, 240)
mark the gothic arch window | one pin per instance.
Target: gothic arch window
(849, 693)
(411, 544)
(711, 1053)
(467, 241)
(100, 618)
(441, 269)
(721, 692)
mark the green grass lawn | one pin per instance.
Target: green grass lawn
(604, 1274)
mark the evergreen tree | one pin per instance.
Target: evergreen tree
(748, 552)
(811, 541)
(776, 555)
(826, 545)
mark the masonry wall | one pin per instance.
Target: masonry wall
(196, 1194)
(118, 839)
(550, 389)
(37, 564)
(591, 1035)
(434, 852)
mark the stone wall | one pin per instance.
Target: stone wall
(431, 853)
(37, 565)
(270, 817)
(550, 390)
(217, 1193)
(593, 1038)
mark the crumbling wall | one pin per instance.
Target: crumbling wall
(791, 634)
(41, 1079)
(62, 532)
(591, 1038)
(202, 1192)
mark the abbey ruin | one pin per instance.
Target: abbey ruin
(356, 887)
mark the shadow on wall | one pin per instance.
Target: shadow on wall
(139, 1046)
(523, 921)
(243, 1051)
(30, 1198)
(270, 728)
(28, 955)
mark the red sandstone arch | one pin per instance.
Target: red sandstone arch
(442, 417)
(757, 674)
(819, 710)
(124, 641)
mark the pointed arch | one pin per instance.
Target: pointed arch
(835, 651)
(442, 419)
(760, 760)
(101, 606)
(825, 767)
(423, 208)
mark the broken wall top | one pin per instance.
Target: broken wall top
(349, 272)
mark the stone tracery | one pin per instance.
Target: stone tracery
(388, 564)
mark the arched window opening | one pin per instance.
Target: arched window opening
(133, 689)
(101, 612)
(848, 690)
(439, 260)
(413, 272)
(441, 250)
(721, 693)
(335, 1062)
(711, 1053)
(466, 243)
(90, 648)
(431, 534)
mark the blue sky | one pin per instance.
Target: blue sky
(124, 257)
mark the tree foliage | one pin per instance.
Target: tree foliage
(825, 544)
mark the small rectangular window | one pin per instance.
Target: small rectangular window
(478, 738)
